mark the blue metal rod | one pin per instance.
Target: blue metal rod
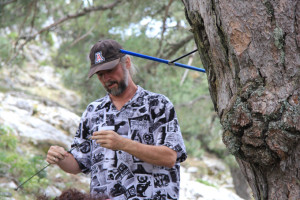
(161, 60)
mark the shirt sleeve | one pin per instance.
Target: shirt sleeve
(168, 132)
(81, 146)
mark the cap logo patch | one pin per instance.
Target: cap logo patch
(98, 57)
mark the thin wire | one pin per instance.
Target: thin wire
(172, 61)
(76, 146)
(32, 177)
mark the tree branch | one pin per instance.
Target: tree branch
(82, 37)
(158, 53)
(33, 17)
(27, 13)
(174, 48)
(190, 103)
(68, 17)
(190, 61)
(7, 2)
(157, 12)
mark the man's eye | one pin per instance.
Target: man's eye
(100, 74)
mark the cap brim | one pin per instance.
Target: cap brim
(104, 66)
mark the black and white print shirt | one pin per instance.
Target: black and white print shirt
(148, 118)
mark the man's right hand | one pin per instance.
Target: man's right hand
(56, 154)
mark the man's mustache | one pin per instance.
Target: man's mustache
(109, 83)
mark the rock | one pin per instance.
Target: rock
(52, 191)
(214, 164)
(11, 102)
(25, 106)
(5, 194)
(48, 78)
(17, 113)
(193, 190)
(34, 53)
(10, 184)
(59, 117)
(192, 170)
(35, 129)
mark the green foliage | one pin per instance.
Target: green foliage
(7, 54)
(48, 38)
(230, 161)
(21, 167)
(193, 146)
(5, 49)
(3, 89)
(206, 183)
(7, 140)
(13, 35)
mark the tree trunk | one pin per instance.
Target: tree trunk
(251, 53)
(240, 183)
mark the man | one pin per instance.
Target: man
(129, 140)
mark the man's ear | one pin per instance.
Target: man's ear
(128, 62)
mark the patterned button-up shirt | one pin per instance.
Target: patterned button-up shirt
(148, 118)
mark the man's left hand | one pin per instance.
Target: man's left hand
(109, 139)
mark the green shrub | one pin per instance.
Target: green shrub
(7, 140)
(206, 183)
(194, 147)
(15, 164)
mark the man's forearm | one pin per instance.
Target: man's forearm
(157, 155)
(69, 164)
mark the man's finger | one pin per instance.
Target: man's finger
(59, 155)
(100, 141)
(51, 160)
(98, 135)
(103, 132)
(54, 159)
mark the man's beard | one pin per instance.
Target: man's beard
(121, 86)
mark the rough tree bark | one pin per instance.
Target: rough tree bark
(251, 52)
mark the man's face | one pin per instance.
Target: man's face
(115, 81)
